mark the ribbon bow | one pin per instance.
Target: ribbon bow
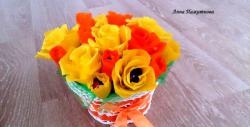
(130, 112)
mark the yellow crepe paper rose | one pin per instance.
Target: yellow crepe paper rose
(132, 73)
(108, 36)
(101, 85)
(80, 64)
(152, 26)
(58, 36)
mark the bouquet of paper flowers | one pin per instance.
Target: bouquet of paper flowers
(112, 63)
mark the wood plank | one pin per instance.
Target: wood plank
(19, 89)
(237, 106)
(14, 21)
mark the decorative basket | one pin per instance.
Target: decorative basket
(112, 64)
(96, 106)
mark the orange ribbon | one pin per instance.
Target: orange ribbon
(130, 112)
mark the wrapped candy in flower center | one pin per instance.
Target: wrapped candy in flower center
(96, 83)
(112, 63)
(134, 75)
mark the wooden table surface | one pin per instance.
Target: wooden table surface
(208, 87)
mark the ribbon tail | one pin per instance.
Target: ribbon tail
(121, 120)
(139, 119)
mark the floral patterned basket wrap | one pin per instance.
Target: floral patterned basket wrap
(112, 63)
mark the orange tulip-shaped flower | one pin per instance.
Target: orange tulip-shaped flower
(85, 22)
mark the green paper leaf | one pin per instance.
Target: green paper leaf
(162, 77)
(170, 64)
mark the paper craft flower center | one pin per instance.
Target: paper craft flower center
(109, 58)
(134, 75)
(96, 83)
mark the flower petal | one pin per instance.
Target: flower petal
(103, 89)
(117, 19)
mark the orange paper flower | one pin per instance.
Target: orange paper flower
(57, 53)
(85, 21)
(142, 39)
(109, 59)
(117, 19)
